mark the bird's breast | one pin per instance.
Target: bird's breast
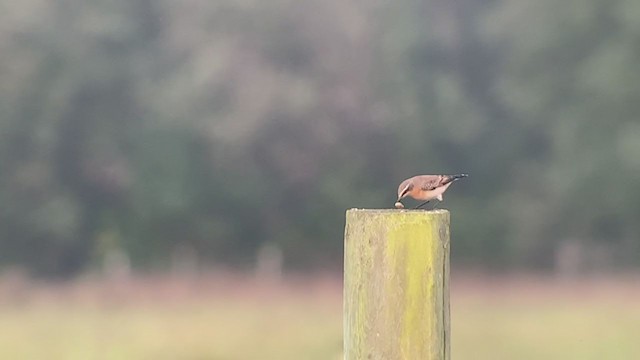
(420, 194)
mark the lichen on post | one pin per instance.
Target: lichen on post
(396, 285)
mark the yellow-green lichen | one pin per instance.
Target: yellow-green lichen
(395, 283)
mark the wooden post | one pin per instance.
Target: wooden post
(396, 285)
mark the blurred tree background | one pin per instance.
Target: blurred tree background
(149, 127)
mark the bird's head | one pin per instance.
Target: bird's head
(404, 188)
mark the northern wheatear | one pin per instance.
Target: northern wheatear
(425, 187)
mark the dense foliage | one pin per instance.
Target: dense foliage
(153, 126)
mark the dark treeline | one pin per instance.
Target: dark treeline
(146, 127)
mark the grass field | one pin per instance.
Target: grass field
(241, 319)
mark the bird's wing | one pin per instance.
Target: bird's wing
(430, 182)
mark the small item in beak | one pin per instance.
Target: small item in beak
(399, 205)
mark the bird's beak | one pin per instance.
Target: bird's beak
(403, 194)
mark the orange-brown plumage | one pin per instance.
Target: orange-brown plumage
(427, 187)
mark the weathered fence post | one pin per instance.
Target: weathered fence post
(396, 285)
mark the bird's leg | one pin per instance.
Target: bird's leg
(421, 205)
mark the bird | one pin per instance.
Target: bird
(425, 187)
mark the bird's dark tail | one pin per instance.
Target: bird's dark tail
(452, 178)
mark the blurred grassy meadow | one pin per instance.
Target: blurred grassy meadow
(227, 318)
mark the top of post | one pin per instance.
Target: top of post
(399, 211)
(397, 216)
